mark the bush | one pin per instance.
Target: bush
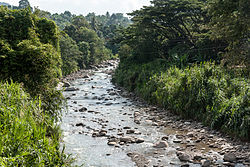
(25, 139)
(204, 92)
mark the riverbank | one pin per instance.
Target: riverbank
(106, 125)
(217, 97)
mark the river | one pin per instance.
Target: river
(102, 127)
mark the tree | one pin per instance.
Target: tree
(24, 4)
(70, 54)
(230, 22)
(29, 54)
(160, 30)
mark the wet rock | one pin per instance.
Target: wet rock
(83, 109)
(126, 139)
(102, 133)
(137, 121)
(198, 157)
(91, 111)
(112, 93)
(164, 138)
(80, 124)
(108, 104)
(120, 134)
(126, 127)
(139, 140)
(177, 141)
(183, 156)
(190, 134)
(71, 89)
(130, 131)
(110, 143)
(85, 76)
(229, 164)
(230, 157)
(206, 163)
(66, 84)
(161, 144)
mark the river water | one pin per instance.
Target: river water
(107, 110)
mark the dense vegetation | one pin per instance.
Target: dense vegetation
(35, 52)
(28, 135)
(191, 57)
(86, 40)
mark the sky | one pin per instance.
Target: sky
(85, 6)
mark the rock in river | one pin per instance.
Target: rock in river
(83, 109)
(183, 156)
(126, 139)
(71, 89)
(161, 144)
(229, 157)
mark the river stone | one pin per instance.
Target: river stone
(80, 124)
(230, 157)
(83, 109)
(126, 139)
(190, 134)
(66, 84)
(161, 144)
(112, 143)
(71, 89)
(183, 156)
(112, 93)
(177, 141)
(130, 131)
(139, 140)
(206, 163)
(164, 138)
(85, 76)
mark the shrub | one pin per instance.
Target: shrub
(204, 92)
(24, 128)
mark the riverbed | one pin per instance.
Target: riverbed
(104, 127)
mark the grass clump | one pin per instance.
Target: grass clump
(204, 92)
(26, 137)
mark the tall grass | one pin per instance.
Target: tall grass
(24, 137)
(204, 92)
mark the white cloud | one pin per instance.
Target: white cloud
(86, 6)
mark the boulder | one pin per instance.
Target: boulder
(126, 139)
(161, 144)
(71, 89)
(139, 140)
(183, 156)
(230, 157)
(83, 109)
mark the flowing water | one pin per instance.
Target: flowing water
(108, 110)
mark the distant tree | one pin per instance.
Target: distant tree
(70, 54)
(24, 4)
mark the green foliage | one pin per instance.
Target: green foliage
(159, 29)
(70, 54)
(15, 25)
(204, 92)
(25, 139)
(91, 46)
(29, 54)
(230, 21)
